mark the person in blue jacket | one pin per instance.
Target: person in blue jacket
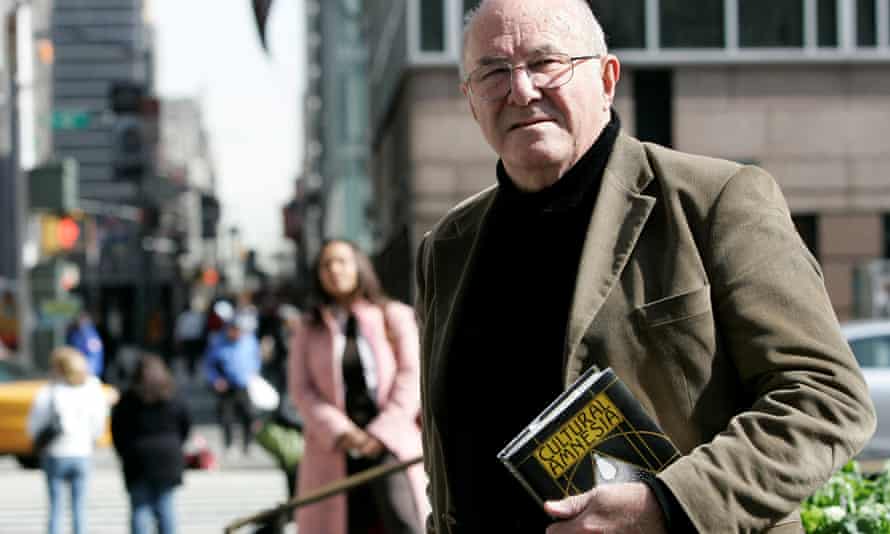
(231, 360)
(83, 336)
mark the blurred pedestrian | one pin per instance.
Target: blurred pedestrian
(149, 426)
(232, 359)
(189, 335)
(353, 374)
(83, 336)
(82, 407)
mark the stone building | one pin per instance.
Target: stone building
(799, 87)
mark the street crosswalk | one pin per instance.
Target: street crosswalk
(206, 503)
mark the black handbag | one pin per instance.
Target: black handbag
(51, 430)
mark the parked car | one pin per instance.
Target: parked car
(870, 341)
(18, 387)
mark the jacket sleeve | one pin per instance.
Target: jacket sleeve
(121, 427)
(420, 304)
(808, 409)
(399, 413)
(322, 419)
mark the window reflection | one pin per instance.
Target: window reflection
(873, 352)
(866, 32)
(691, 24)
(771, 23)
(624, 23)
(827, 21)
(432, 26)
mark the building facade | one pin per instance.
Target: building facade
(26, 61)
(798, 87)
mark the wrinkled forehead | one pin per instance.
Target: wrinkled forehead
(519, 29)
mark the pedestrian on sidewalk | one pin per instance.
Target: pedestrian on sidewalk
(149, 426)
(189, 335)
(231, 361)
(76, 397)
(83, 336)
(353, 374)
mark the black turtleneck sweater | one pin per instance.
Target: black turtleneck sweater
(506, 362)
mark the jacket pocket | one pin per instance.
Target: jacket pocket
(676, 308)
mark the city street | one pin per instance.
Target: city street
(206, 502)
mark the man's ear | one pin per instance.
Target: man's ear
(611, 72)
(466, 91)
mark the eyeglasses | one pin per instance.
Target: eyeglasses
(494, 81)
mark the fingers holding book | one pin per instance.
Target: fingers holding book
(627, 507)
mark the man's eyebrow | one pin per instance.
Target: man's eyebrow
(534, 52)
(491, 60)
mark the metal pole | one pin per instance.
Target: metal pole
(20, 193)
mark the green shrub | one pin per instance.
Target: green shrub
(850, 502)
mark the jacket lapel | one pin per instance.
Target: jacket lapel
(618, 218)
(454, 254)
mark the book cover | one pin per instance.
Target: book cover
(595, 432)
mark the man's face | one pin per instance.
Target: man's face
(539, 133)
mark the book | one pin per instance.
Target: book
(595, 432)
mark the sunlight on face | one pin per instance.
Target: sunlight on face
(539, 133)
(338, 270)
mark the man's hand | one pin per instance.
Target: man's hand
(607, 509)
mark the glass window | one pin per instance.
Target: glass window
(624, 23)
(872, 352)
(771, 23)
(691, 24)
(432, 26)
(866, 29)
(827, 21)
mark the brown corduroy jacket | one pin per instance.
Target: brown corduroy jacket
(696, 289)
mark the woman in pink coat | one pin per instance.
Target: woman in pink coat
(354, 376)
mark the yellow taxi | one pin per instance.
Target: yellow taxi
(18, 387)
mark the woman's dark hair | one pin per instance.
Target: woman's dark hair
(368, 284)
(152, 381)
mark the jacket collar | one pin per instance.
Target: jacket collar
(619, 214)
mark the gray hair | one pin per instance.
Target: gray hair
(596, 37)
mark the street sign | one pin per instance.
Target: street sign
(71, 119)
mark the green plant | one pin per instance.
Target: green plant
(850, 503)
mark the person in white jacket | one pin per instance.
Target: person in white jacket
(81, 404)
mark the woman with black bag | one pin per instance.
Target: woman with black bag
(75, 401)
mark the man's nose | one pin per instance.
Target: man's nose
(522, 89)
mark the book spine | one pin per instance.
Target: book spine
(518, 476)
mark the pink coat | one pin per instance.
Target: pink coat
(316, 386)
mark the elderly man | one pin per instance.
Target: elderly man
(683, 273)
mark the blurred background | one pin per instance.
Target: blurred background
(154, 151)
(158, 156)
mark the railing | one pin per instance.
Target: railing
(282, 514)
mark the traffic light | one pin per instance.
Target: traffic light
(126, 97)
(128, 148)
(130, 134)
